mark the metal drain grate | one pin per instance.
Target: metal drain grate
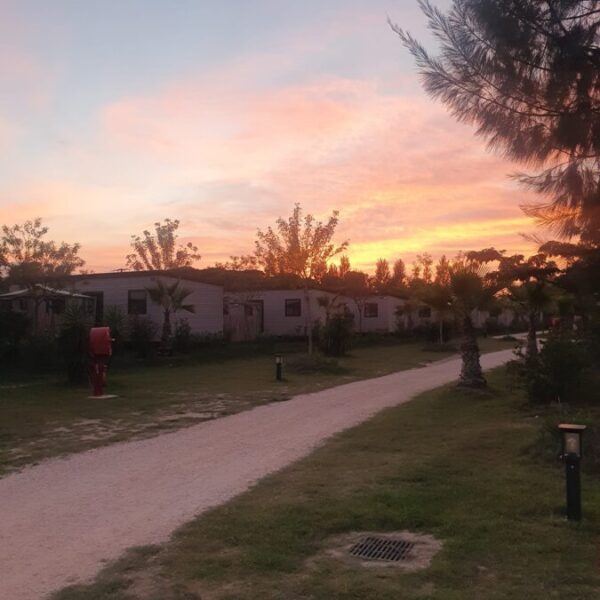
(380, 548)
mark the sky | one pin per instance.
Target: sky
(115, 114)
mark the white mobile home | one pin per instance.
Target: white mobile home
(277, 312)
(128, 292)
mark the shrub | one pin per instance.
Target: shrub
(73, 342)
(182, 337)
(563, 371)
(38, 352)
(334, 337)
(142, 333)
(13, 328)
(115, 319)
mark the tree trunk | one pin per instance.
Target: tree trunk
(309, 329)
(471, 374)
(441, 331)
(532, 348)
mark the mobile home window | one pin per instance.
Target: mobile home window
(136, 302)
(425, 312)
(293, 307)
(371, 309)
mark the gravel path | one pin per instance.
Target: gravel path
(63, 518)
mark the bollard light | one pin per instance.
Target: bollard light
(278, 367)
(571, 453)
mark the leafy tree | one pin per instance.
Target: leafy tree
(299, 246)
(399, 273)
(439, 297)
(526, 73)
(415, 272)
(383, 277)
(159, 250)
(426, 262)
(527, 282)
(355, 285)
(443, 272)
(344, 267)
(171, 298)
(31, 261)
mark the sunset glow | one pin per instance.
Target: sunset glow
(224, 115)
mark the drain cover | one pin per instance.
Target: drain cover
(381, 548)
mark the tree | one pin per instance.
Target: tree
(31, 261)
(344, 267)
(355, 285)
(439, 297)
(299, 246)
(527, 283)
(171, 298)
(526, 73)
(442, 272)
(159, 250)
(399, 273)
(426, 262)
(383, 277)
(470, 291)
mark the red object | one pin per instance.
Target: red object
(100, 352)
(100, 341)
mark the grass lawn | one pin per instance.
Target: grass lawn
(452, 464)
(44, 417)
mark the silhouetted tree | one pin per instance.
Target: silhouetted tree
(299, 246)
(159, 250)
(171, 299)
(382, 278)
(31, 261)
(399, 273)
(442, 272)
(526, 73)
(426, 262)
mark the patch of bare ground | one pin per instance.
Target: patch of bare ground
(86, 434)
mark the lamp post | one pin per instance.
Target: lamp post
(278, 367)
(571, 454)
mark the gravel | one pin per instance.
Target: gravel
(63, 519)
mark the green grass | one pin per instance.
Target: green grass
(43, 417)
(450, 463)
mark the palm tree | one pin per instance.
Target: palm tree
(439, 297)
(470, 291)
(171, 298)
(533, 297)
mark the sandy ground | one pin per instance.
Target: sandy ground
(63, 518)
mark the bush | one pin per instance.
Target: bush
(563, 371)
(142, 333)
(38, 352)
(115, 320)
(74, 342)
(13, 328)
(182, 337)
(333, 338)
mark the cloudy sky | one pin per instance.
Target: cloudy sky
(223, 114)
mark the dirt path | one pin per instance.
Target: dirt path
(63, 518)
